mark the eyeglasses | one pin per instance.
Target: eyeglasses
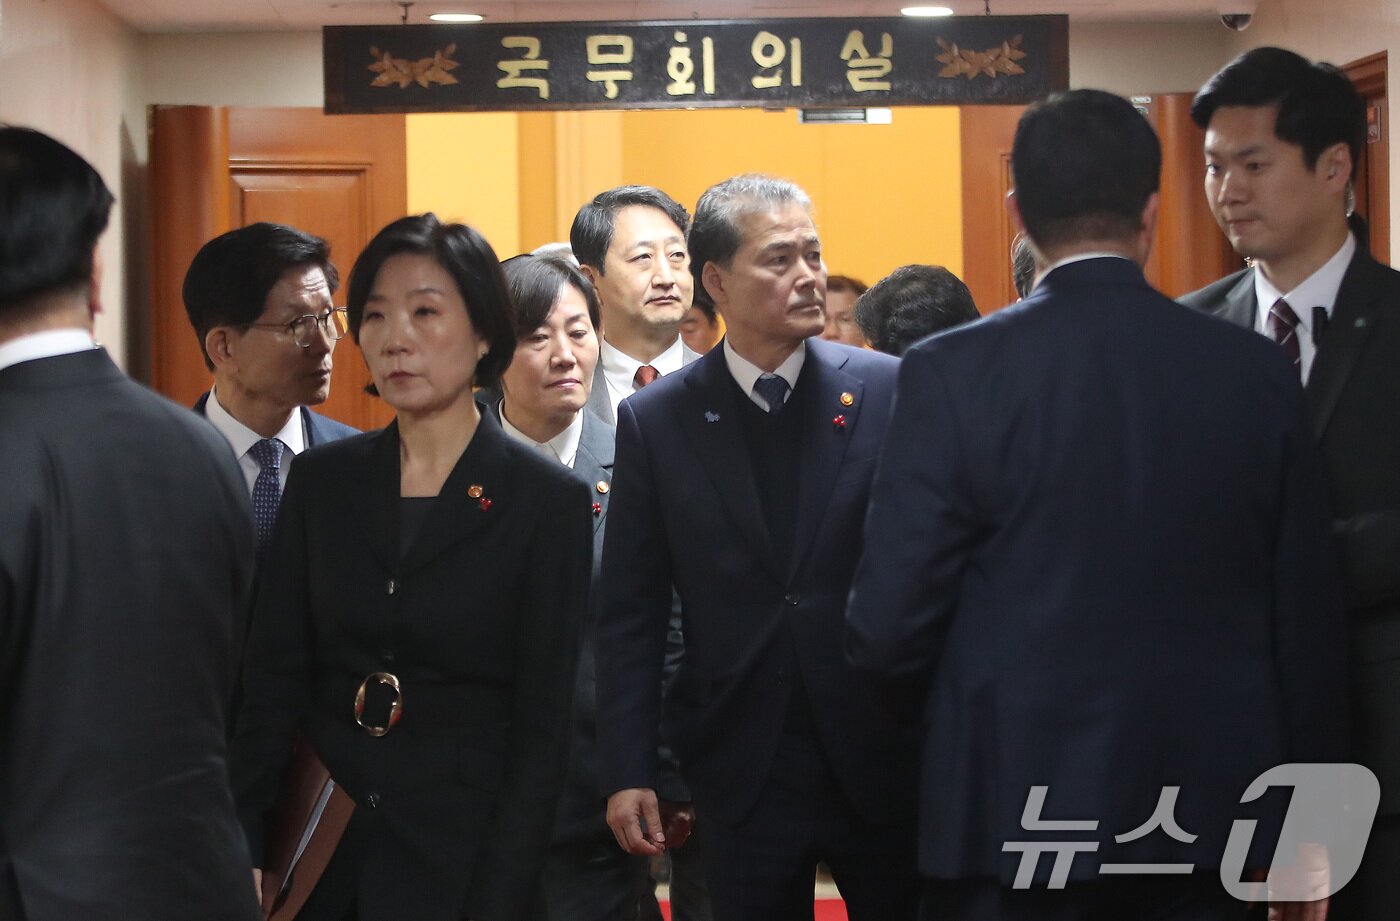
(334, 324)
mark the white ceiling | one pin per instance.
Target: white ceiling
(278, 15)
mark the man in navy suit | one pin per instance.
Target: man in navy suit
(1283, 137)
(259, 298)
(740, 480)
(1097, 559)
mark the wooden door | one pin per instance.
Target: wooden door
(340, 177)
(986, 134)
(1372, 174)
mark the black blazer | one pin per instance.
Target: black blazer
(1098, 556)
(1353, 398)
(319, 429)
(125, 559)
(479, 621)
(686, 512)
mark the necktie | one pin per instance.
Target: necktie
(267, 491)
(773, 389)
(1282, 328)
(645, 375)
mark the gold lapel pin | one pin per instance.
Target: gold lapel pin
(847, 399)
(603, 487)
(475, 491)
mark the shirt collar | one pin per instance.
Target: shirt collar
(746, 373)
(1068, 260)
(242, 438)
(48, 344)
(1317, 290)
(562, 447)
(619, 368)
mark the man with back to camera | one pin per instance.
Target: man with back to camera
(1283, 138)
(740, 480)
(259, 298)
(1112, 580)
(125, 561)
(630, 242)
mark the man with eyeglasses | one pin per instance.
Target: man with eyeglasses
(259, 298)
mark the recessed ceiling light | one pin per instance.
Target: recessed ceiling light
(456, 17)
(927, 11)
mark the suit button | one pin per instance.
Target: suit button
(387, 656)
(372, 801)
(390, 587)
(792, 598)
(782, 676)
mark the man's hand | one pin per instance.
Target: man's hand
(1298, 893)
(677, 821)
(635, 820)
(257, 884)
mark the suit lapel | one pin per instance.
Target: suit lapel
(709, 416)
(457, 513)
(1353, 318)
(594, 461)
(1240, 306)
(598, 398)
(823, 440)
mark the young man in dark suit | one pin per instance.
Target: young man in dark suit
(1097, 560)
(1283, 137)
(740, 480)
(125, 560)
(259, 298)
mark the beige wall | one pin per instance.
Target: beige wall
(1141, 58)
(68, 68)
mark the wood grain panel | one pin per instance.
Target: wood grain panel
(986, 136)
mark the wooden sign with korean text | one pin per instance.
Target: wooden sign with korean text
(808, 63)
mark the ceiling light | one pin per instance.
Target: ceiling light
(927, 11)
(456, 17)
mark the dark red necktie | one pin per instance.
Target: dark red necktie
(645, 375)
(1283, 327)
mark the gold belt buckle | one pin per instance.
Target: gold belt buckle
(395, 708)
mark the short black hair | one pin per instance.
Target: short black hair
(592, 230)
(229, 279)
(1085, 164)
(468, 258)
(846, 283)
(714, 234)
(534, 283)
(53, 208)
(1317, 105)
(910, 303)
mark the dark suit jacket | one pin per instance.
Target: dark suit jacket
(125, 558)
(1098, 555)
(479, 621)
(1353, 398)
(686, 511)
(319, 429)
(600, 401)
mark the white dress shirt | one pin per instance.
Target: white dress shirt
(49, 344)
(562, 447)
(619, 368)
(1317, 290)
(746, 373)
(242, 439)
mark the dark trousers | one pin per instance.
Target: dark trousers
(1198, 897)
(1374, 893)
(764, 868)
(594, 880)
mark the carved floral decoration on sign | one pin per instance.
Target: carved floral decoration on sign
(424, 71)
(993, 62)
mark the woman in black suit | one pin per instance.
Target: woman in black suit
(439, 556)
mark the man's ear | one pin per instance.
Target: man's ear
(713, 280)
(1335, 165)
(218, 344)
(1013, 209)
(590, 273)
